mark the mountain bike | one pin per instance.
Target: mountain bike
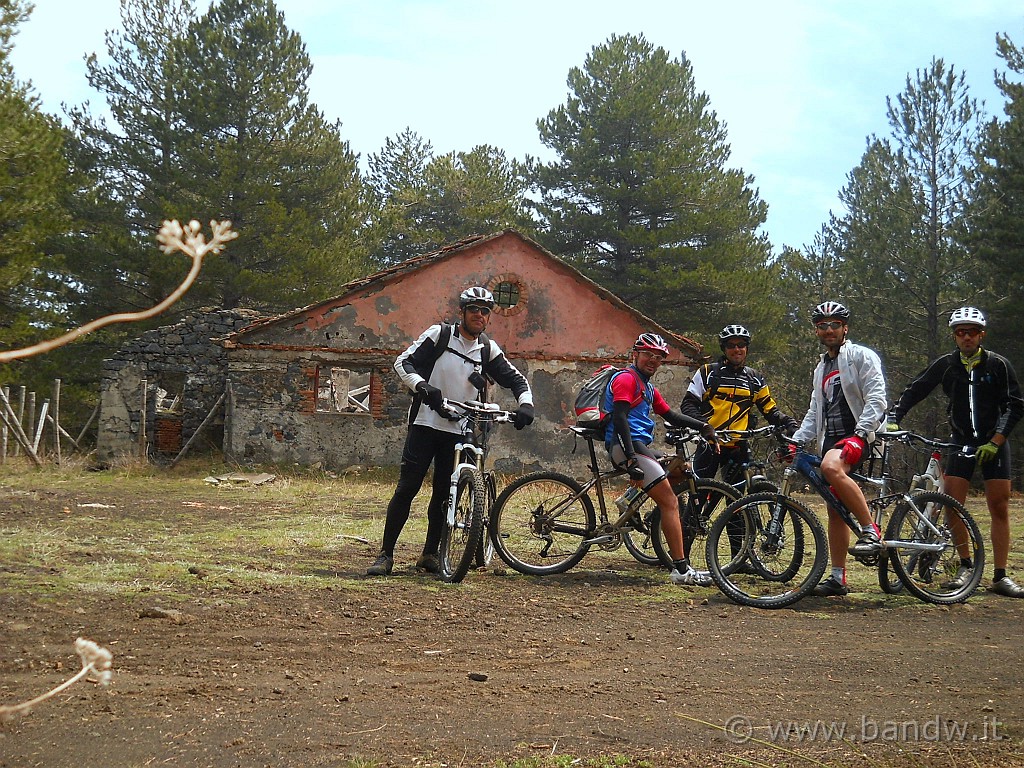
(931, 480)
(748, 476)
(471, 489)
(788, 549)
(545, 522)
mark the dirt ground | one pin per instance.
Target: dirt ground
(334, 669)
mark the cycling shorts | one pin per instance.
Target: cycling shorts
(997, 469)
(654, 473)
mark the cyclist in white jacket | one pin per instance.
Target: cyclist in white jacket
(848, 406)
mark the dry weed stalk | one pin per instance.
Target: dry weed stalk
(95, 659)
(172, 237)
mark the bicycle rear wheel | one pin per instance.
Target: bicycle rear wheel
(462, 535)
(698, 506)
(485, 549)
(540, 522)
(784, 544)
(935, 531)
(888, 579)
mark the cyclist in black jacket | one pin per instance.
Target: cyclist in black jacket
(450, 362)
(984, 405)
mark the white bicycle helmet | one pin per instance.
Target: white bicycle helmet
(830, 309)
(652, 342)
(732, 332)
(967, 316)
(476, 295)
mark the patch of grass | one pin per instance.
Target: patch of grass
(150, 526)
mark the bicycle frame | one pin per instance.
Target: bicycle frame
(597, 480)
(808, 466)
(750, 468)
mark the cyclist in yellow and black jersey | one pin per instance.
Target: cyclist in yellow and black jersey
(724, 393)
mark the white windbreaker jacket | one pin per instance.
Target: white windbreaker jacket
(860, 373)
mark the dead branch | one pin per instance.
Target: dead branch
(172, 237)
(95, 660)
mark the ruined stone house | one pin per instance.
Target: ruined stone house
(316, 385)
(184, 368)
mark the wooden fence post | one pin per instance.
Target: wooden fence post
(20, 415)
(199, 429)
(29, 425)
(55, 417)
(3, 430)
(143, 447)
(88, 423)
(14, 425)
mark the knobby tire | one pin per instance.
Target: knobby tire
(794, 560)
(459, 542)
(540, 522)
(928, 575)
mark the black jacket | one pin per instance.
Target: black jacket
(981, 403)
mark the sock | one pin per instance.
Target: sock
(966, 562)
(839, 574)
(999, 574)
(682, 565)
(871, 527)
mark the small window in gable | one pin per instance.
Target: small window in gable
(510, 294)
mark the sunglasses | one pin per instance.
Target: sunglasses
(961, 332)
(657, 356)
(475, 308)
(830, 325)
(736, 345)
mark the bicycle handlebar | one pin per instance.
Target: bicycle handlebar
(675, 434)
(729, 435)
(489, 411)
(908, 437)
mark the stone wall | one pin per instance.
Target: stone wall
(184, 360)
(272, 419)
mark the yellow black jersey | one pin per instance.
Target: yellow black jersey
(724, 395)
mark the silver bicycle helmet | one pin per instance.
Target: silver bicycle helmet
(476, 295)
(967, 316)
(732, 332)
(652, 342)
(830, 309)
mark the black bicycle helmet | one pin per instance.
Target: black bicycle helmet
(732, 332)
(476, 295)
(830, 309)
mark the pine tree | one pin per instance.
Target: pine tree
(423, 201)
(998, 233)
(212, 121)
(900, 243)
(640, 198)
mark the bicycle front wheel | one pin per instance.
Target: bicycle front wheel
(929, 533)
(699, 503)
(462, 535)
(540, 522)
(640, 543)
(783, 555)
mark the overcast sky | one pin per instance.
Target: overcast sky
(800, 84)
